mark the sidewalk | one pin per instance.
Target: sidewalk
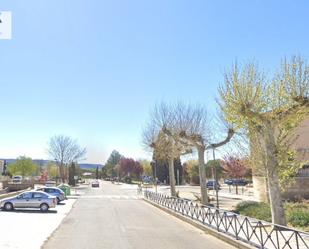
(227, 201)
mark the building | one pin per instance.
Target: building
(299, 186)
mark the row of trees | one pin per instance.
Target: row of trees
(229, 167)
(23, 166)
(125, 168)
(265, 109)
(65, 153)
(176, 130)
(26, 167)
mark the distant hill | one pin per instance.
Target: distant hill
(45, 162)
(90, 166)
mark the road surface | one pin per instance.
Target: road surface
(113, 217)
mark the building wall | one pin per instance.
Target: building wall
(300, 186)
(299, 189)
(260, 188)
(302, 142)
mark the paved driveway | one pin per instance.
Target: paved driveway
(112, 217)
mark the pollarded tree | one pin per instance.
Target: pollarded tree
(190, 128)
(163, 145)
(270, 110)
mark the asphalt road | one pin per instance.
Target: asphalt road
(113, 217)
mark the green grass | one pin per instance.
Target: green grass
(297, 214)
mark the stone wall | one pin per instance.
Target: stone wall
(298, 189)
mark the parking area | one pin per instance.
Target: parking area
(28, 229)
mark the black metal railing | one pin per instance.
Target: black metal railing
(258, 233)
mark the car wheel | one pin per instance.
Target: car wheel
(58, 200)
(44, 207)
(8, 206)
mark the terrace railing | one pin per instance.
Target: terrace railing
(258, 233)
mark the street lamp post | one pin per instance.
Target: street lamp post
(154, 165)
(215, 176)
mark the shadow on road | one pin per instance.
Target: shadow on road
(31, 211)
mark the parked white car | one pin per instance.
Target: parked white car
(17, 179)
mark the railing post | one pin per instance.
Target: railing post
(296, 237)
(235, 223)
(217, 219)
(261, 235)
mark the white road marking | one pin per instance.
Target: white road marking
(117, 197)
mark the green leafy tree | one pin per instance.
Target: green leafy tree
(52, 170)
(109, 169)
(270, 110)
(192, 170)
(212, 165)
(146, 167)
(72, 173)
(97, 173)
(23, 166)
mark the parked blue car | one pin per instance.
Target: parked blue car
(212, 184)
(238, 182)
(54, 191)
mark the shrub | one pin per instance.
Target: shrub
(297, 214)
(127, 179)
(299, 218)
(254, 209)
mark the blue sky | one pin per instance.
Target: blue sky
(93, 69)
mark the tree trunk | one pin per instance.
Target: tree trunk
(276, 204)
(72, 174)
(202, 174)
(172, 176)
(62, 172)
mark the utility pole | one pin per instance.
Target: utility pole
(155, 171)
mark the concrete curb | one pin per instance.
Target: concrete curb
(230, 240)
